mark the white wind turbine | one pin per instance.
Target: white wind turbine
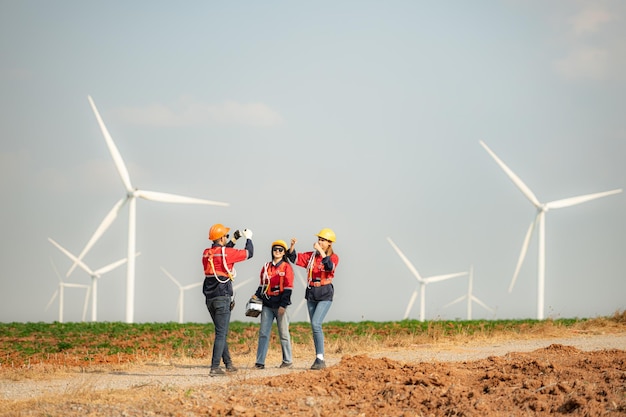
(61, 293)
(182, 289)
(95, 275)
(423, 282)
(131, 195)
(470, 297)
(539, 220)
(303, 301)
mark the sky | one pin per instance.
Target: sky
(361, 116)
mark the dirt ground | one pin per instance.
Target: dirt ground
(579, 376)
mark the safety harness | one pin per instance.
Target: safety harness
(211, 271)
(276, 289)
(317, 282)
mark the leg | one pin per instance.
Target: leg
(267, 317)
(282, 322)
(317, 312)
(219, 307)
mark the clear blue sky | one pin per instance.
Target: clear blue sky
(360, 116)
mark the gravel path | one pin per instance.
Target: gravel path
(194, 375)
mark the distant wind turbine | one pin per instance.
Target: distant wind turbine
(422, 281)
(182, 288)
(61, 293)
(539, 220)
(470, 297)
(95, 275)
(131, 195)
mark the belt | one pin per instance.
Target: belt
(321, 283)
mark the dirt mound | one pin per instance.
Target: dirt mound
(557, 379)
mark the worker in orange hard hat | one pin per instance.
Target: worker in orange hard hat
(219, 272)
(274, 291)
(320, 265)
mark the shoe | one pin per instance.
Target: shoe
(231, 369)
(318, 364)
(217, 372)
(286, 365)
(259, 366)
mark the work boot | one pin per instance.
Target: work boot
(217, 372)
(231, 369)
(259, 366)
(286, 365)
(318, 364)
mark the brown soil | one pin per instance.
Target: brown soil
(557, 378)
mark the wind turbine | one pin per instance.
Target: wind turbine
(181, 293)
(131, 195)
(95, 275)
(539, 220)
(182, 289)
(303, 301)
(60, 293)
(423, 282)
(470, 297)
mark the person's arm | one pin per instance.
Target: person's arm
(291, 253)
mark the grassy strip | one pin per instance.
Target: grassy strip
(104, 342)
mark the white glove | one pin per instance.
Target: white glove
(247, 233)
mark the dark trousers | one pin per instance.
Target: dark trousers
(219, 308)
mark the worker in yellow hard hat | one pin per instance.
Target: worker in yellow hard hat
(219, 272)
(320, 265)
(274, 291)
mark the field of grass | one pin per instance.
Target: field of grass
(85, 344)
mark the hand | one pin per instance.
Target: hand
(247, 233)
(319, 249)
(237, 234)
(281, 311)
(293, 244)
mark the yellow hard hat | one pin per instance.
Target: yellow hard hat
(279, 243)
(217, 231)
(327, 234)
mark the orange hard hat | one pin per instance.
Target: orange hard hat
(217, 231)
(327, 234)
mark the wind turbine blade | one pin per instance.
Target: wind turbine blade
(110, 267)
(72, 285)
(580, 199)
(174, 198)
(458, 300)
(300, 278)
(405, 260)
(104, 225)
(171, 277)
(295, 313)
(190, 286)
(56, 293)
(85, 303)
(56, 271)
(516, 180)
(522, 254)
(410, 305)
(115, 153)
(71, 256)
(241, 284)
(483, 305)
(444, 277)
